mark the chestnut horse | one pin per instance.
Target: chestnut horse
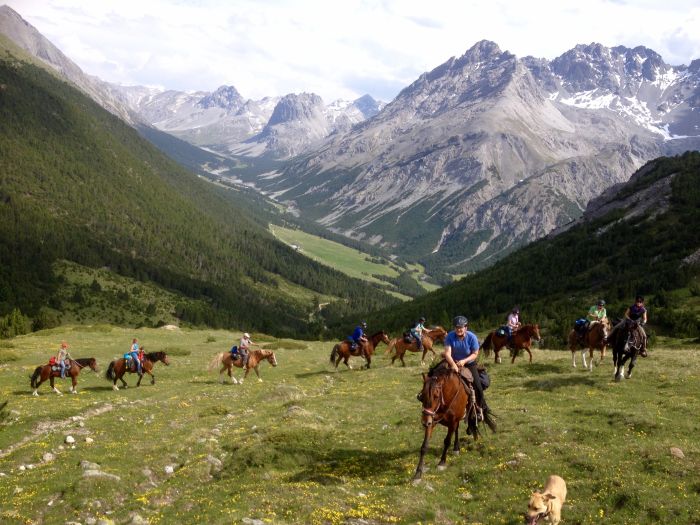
(42, 373)
(118, 368)
(447, 401)
(344, 351)
(522, 339)
(255, 357)
(595, 337)
(428, 338)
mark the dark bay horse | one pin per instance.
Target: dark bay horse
(445, 401)
(627, 341)
(118, 368)
(255, 357)
(42, 373)
(595, 338)
(522, 339)
(344, 351)
(428, 339)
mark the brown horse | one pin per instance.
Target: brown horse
(344, 351)
(522, 339)
(118, 368)
(595, 337)
(428, 338)
(255, 357)
(42, 373)
(447, 401)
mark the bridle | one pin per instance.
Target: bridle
(433, 418)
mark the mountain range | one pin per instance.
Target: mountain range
(483, 154)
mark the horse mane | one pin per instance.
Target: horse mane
(376, 334)
(85, 361)
(155, 356)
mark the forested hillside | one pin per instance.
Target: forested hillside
(78, 184)
(652, 250)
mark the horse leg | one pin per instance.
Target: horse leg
(590, 359)
(369, 360)
(121, 378)
(496, 359)
(422, 359)
(403, 363)
(153, 377)
(445, 445)
(74, 381)
(138, 383)
(455, 449)
(583, 358)
(53, 386)
(573, 358)
(515, 354)
(257, 373)
(423, 450)
(345, 360)
(38, 384)
(633, 361)
(528, 353)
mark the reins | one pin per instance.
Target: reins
(433, 414)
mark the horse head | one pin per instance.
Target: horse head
(380, 336)
(535, 332)
(431, 398)
(158, 356)
(271, 358)
(93, 364)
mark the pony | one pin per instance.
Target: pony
(428, 338)
(627, 341)
(255, 357)
(344, 351)
(118, 368)
(522, 339)
(446, 400)
(44, 372)
(595, 337)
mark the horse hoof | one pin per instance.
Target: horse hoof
(35, 393)
(455, 452)
(618, 378)
(115, 387)
(73, 391)
(259, 380)
(416, 481)
(441, 467)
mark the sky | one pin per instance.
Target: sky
(337, 49)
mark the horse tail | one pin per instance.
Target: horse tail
(216, 361)
(109, 374)
(390, 346)
(489, 420)
(335, 352)
(486, 345)
(35, 376)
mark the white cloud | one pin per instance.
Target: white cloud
(337, 50)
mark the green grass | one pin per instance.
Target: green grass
(347, 260)
(312, 445)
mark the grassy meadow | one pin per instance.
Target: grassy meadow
(312, 445)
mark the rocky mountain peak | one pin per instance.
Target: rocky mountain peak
(226, 97)
(367, 105)
(302, 106)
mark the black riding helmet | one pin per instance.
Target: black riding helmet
(460, 320)
(601, 302)
(421, 319)
(363, 324)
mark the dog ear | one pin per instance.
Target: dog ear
(549, 497)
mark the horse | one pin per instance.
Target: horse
(447, 401)
(595, 337)
(255, 357)
(118, 368)
(344, 351)
(522, 339)
(44, 372)
(627, 341)
(427, 339)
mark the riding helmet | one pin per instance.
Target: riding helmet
(363, 324)
(460, 320)
(516, 310)
(421, 319)
(601, 302)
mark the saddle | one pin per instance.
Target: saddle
(502, 331)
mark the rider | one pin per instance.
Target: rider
(513, 322)
(638, 312)
(134, 352)
(244, 347)
(596, 313)
(358, 337)
(417, 332)
(62, 356)
(462, 350)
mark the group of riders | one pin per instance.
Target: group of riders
(462, 345)
(637, 312)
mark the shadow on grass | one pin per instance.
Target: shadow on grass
(319, 373)
(102, 388)
(334, 466)
(549, 384)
